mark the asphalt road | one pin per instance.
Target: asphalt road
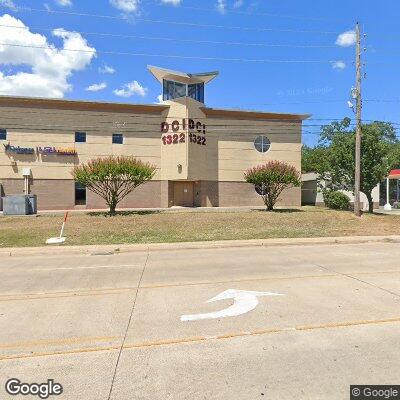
(109, 327)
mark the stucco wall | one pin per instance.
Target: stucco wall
(217, 168)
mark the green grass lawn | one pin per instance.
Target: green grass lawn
(160, 227)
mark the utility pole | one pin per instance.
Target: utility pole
(357, 178)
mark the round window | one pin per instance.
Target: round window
(261, 190)
(262, 144)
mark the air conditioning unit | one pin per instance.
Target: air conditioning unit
(20, 205)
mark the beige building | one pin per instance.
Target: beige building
(200, 153)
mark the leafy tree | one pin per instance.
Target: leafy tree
(113, 178)
(271, 179)
(313, 158)
(379, 154)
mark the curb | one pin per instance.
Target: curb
(131, 248)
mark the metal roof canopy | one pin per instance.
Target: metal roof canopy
(162, 73)
(394, 174)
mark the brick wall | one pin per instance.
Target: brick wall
(52, 194)
(144, 196)
(240, 194)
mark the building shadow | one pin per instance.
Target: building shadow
(282, 210)
(123, 213)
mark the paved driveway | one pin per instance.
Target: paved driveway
(82, 321)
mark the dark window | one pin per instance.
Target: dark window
(261, 190)
(118, 138)
(80, 194)
(262, 144)
(80, 137)
(173, 90)
(196, 91)
(3, 134)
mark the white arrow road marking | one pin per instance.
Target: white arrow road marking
(243, 302)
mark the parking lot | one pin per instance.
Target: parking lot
(111, 326)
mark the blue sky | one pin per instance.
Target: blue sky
(320, 88)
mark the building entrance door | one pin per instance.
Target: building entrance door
(183, 194)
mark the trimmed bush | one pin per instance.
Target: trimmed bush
(271, 179)
(113, 178)
(336, 200)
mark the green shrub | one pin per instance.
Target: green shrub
(336, 200)
(272, 179)
(113, 178)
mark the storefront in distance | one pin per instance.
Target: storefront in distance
(200, 153)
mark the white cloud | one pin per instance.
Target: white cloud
(127, 6)
(221, 6)
(339, 65)
(49, 68)
(9, 4)
(172, 2)
(96, 87)
(130, 89)
(106, 69)
(64, 3)
(160, 99)
(346, 39)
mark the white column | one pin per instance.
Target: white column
(387, 207)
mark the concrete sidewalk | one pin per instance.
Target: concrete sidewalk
(127, 248)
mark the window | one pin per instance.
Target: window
(3, 134)
(261, 189)
(80, 137)
(196, 91)
(118, 138)
(173, 90)
(262, 144)
(80, 194)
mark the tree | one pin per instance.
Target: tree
(271, 179)
(113, 178)
(312, 158)
(379, 154)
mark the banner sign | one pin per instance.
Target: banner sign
(175, 138)
(18, 149)
(176, 125)
(40, 150)
(58, 151)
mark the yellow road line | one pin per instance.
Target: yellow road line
(395, 271)
(346, 324)
(197, 339)
(109, 291)
(58, 341)
(75, 293)
(337, 275)
(86, 267)
(167, 285)
(59, 353)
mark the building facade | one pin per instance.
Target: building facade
(200, 153)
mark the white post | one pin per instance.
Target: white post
(387, 207)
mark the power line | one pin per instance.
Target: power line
(210, 127)
(250, 13)
(160, 118)
(382, 101)
(179, 23)
(232, 136)
(174, 56)
(170, 39)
